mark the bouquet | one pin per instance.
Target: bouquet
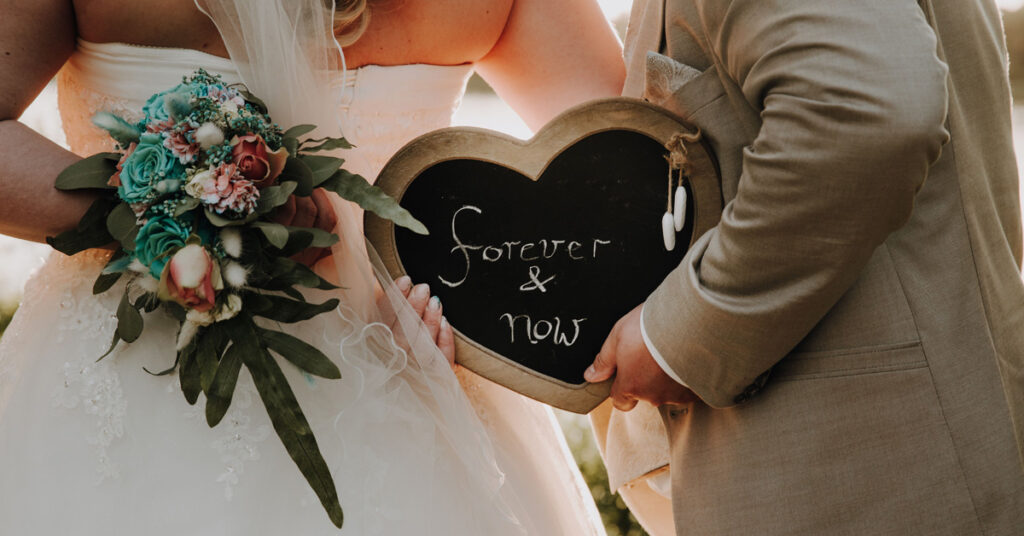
(187, 197)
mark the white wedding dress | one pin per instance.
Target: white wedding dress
(104, 448)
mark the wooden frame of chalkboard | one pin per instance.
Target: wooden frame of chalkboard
(531, 158)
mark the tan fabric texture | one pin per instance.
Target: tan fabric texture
(869, 254)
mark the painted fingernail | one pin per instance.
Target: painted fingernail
(444, 322)
(589, 374)
(404, 283)
(421, 291)
(435, 303)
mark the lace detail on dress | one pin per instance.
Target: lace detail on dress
(238, 440)
(78, 103)
(94, 387)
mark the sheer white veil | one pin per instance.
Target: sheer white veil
(286, 54)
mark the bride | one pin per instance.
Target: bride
(91, 447)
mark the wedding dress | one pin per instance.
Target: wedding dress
(94, 448)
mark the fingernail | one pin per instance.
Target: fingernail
(435, 303)
(404, 283)
(444, 322)
(589, 374)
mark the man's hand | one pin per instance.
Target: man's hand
(637, 374)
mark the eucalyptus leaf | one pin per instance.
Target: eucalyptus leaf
(188, 373)
(301, 354)
(129, 320)
(222, 389)
(298, 130)
(119, 129)
(220, 221)
(325, 144)
(290, 291)
(276, 233)
(321, 166)
(355, 188)
(122, 225)
(291, 145)
(92, 172)
(252, 99)
(272, 197)
(297, 171)
(186, 205)
(113, 344)
(104, 282)
(319, 237)
(148, 302)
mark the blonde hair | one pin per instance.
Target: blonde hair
(351, 17)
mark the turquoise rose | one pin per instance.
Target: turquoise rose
(148, 165)
(155, 109)
(158, 239)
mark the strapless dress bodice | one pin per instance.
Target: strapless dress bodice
(380, 108)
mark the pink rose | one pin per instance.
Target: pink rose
(255, 161)
(115, 179)
(191, 278)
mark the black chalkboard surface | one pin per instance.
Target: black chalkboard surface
(537, 248)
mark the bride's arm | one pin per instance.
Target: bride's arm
(553, 55)
(36, 37)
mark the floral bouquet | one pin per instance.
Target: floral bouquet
(188, 198)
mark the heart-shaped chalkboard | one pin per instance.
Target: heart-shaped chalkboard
(537, 248)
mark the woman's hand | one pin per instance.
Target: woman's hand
(314, 211)
(430, 310)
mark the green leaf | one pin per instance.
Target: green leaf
(319, 237)
(288, 310)
(104, 282)
(122, 225)
(301, 354)
(252, 99)
(276, 233)
(119, 129)
(272, 197)
(129, 320)
(186, 205)
(91, 231)
(355, 188)
(92, 172)
(208, 346)
(148, 302)
(291, 145)
(297, 171)
(175, 310)
(298, 130)
(293, 293)
(222, 388)
(321, 166)
(325, 144)
(288, 420)
(113, 344)
(220, 221)
(286, 272)
(188, 373)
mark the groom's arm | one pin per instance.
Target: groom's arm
(853, 101)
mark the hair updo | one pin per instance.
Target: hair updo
(351, 18)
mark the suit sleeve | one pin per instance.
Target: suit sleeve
(852, 97)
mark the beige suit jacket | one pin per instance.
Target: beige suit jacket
(869, 256)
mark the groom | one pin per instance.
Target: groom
(844, 352)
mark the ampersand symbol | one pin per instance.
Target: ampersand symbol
(535, 283)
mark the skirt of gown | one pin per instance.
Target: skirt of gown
(104, 447)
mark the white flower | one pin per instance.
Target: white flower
(230, 108)
(235, 274)
(229, 309)
(231, 239)
(208, 135)
(200, 183)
